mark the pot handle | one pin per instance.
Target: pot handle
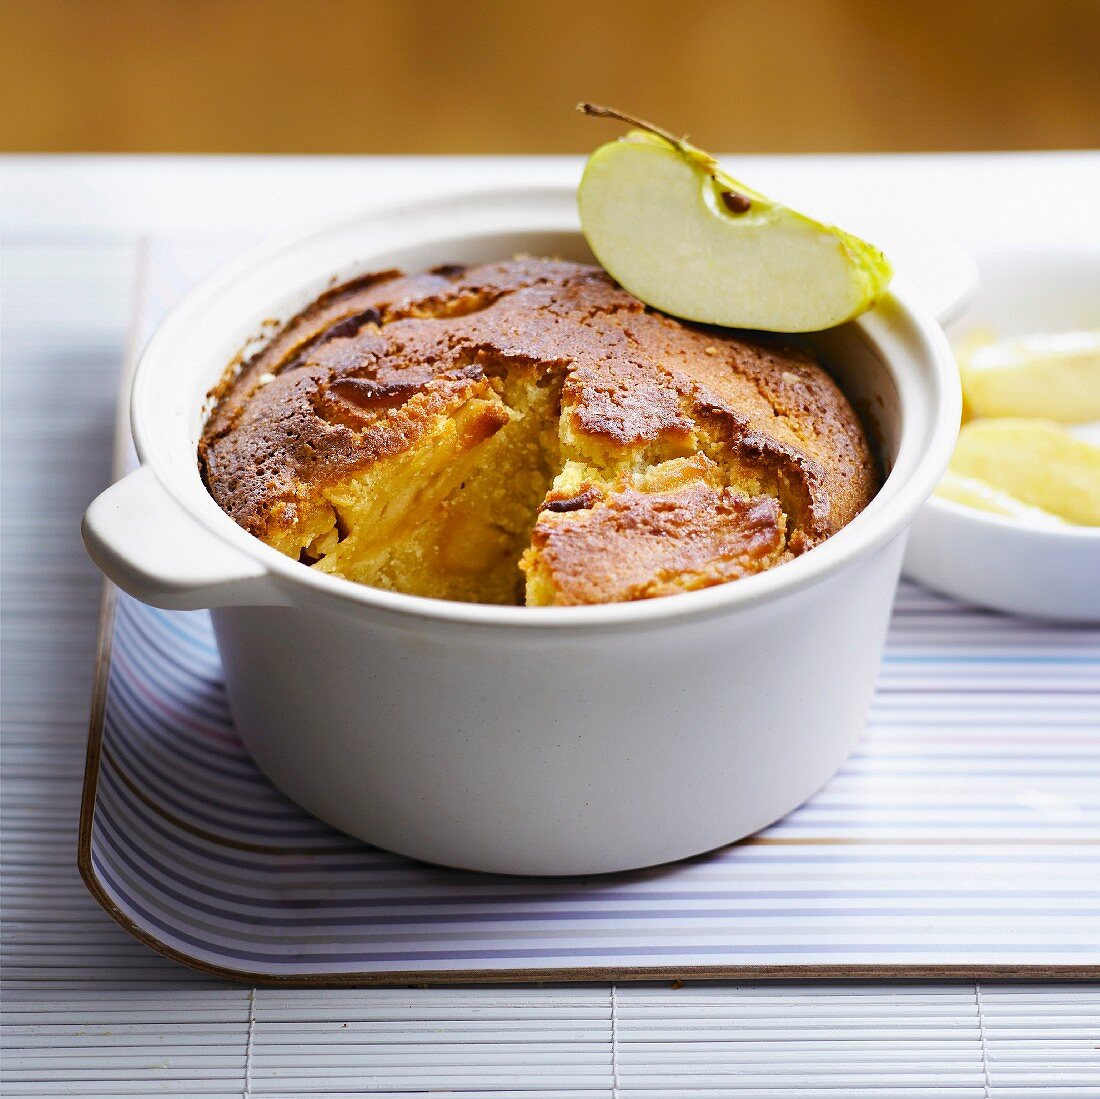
(153, 549)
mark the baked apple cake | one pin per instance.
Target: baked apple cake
(528, 432)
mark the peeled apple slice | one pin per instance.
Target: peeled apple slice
(1033, 462)
(1055, 377)
(977, 494)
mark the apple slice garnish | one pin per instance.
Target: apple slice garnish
(686, 238)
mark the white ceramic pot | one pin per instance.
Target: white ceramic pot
(513, 739)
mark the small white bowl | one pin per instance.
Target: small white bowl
(992, 560)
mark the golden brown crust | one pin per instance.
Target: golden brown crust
(634, 544)
(364, 372)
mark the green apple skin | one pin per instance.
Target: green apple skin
(653, 214)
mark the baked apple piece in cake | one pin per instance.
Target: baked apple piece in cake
(528, 431)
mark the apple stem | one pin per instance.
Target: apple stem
(594, 110)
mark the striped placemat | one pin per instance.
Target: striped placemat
(962, 838)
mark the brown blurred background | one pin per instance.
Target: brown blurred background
(356, 76)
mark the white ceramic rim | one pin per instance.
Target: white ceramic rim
(917, 468)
